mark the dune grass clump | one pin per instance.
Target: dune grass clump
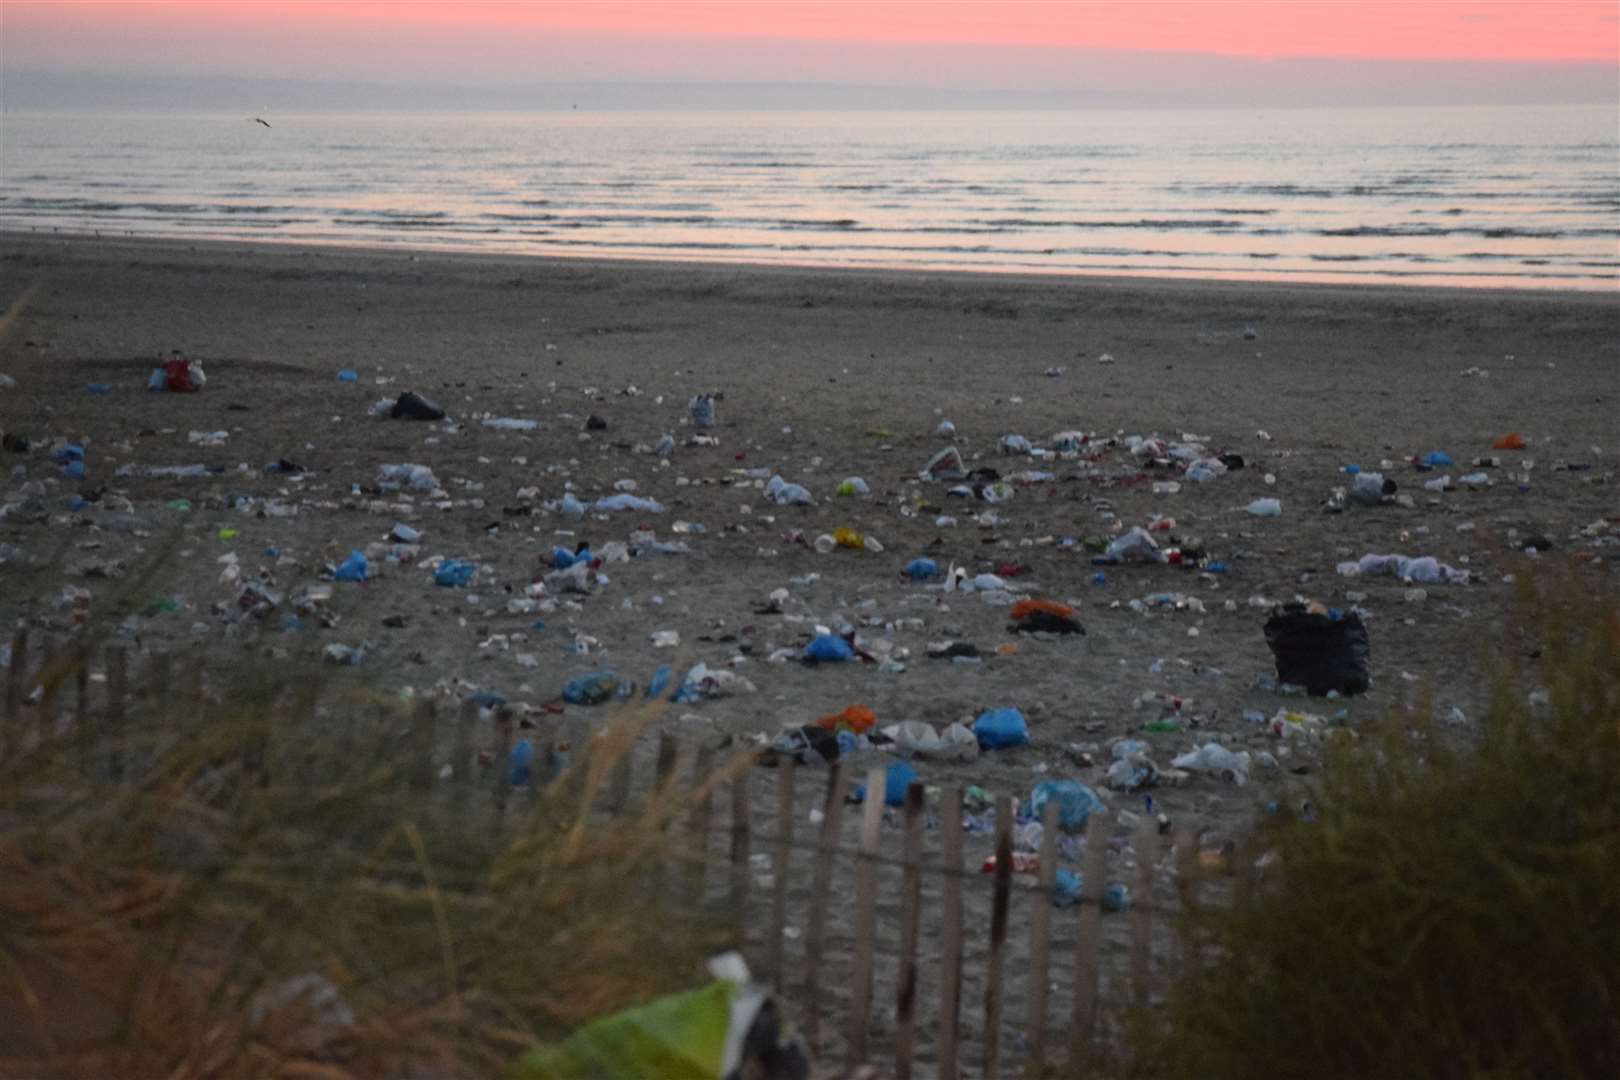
(278, 880)
(1453, 910)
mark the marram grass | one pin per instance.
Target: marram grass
(277, 888)
(1454, 908)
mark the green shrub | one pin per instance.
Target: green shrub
(1454, 908)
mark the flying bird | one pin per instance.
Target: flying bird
(256, 120)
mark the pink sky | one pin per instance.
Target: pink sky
(974, 43)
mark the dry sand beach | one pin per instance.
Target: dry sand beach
(825, 375)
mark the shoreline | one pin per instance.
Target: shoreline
(1191, 282)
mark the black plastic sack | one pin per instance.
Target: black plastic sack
(1319, 652)
(411, 406)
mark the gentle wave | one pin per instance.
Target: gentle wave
(1498, 196)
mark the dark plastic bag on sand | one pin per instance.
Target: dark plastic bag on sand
(411, 406)
(1319, 651)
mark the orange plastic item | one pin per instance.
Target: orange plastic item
(1007, 649)
(1511, 441)
(1025, 608)
(857, 718)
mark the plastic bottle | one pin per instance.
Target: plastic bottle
(1266, 508)
(702, 409)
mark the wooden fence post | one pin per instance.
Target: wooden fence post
(866, 915)
(950, 985)
(117, 704)
(502, 789)
(661, 802)
(780, 860)
(820, 896)
(1088, 945)
(698, 823)
(1005, 809)
(49, 680)
(1187, 894)
(1040, 934)
(1147, 852)
(462, 767)
(84, 717)
(740, 841)
(419, 769)
(618, 784)
(15, 677)
(905, 1006)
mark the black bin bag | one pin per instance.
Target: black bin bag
(1319, 651)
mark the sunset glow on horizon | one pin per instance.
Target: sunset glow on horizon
(98, 34)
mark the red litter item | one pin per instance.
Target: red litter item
(1511, 441)
(1022, 863)
(177, 377)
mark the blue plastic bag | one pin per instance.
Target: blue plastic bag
(591, 689)
(897, 777)
(354, 568)
(348, 375)
(999, 729)
(522, 762)
(828, 649)
(562, 558)
(1066, 892)
(921, 569)
(1435, 459)
(73, 470)
(1076, 802)
(659, 681)
(454, 573)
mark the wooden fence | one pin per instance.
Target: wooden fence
(877, 927)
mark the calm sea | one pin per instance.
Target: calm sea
(1509, 197)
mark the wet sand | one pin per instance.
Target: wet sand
(825, 375)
